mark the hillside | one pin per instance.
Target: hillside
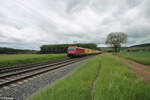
(5, 50)
(142, 45)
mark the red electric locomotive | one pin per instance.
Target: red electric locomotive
(74, 51)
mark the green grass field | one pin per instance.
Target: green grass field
(115, 82)
(19, 59)
(118, 82)
(141, 57)
(75, 87)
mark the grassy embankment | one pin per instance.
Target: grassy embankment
(116, 82)
(141, 57)
(75, 87)
(19, 59)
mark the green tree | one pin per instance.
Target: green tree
(116, 39)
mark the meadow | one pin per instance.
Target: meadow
(115, 82)
(141, 57)
(118, 82)
(20, 59)
(75, 87)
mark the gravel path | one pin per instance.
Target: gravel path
(24, 89)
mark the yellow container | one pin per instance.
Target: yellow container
(86, 50)
(93, 51)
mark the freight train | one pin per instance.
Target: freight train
(75, 51)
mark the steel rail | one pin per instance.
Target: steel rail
(26, 66)
(32, 69)
(10, 78)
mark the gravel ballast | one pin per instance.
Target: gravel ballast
(24, 89)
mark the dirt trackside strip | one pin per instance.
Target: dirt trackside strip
(142, 71)
(94, 85)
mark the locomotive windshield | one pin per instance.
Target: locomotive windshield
(71, 49)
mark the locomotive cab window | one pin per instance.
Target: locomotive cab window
(71, 49)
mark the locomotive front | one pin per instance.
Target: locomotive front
(71, 52)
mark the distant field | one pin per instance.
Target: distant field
(19, 59)
(141, 57)
(115, 82)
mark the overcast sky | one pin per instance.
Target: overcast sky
(27, 24)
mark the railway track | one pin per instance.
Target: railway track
(26, 66)
(12, 75)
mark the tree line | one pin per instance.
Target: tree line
(62, 48)
(4, 50)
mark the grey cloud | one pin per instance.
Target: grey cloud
(29, 24)
(76, 5)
